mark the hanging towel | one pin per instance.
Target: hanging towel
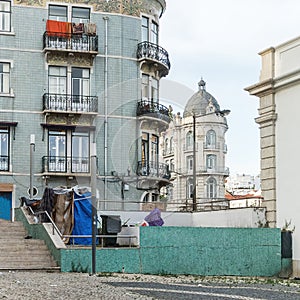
(78, 28)
(57, 28)
(90, 28)
(53, 27)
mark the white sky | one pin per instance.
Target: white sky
(219, 40)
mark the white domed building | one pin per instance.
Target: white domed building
(204, 122)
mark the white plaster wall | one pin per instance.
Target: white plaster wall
(288, 160)
(287, 57)
(244, 217)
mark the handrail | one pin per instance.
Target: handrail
(64, 236)
(51, 221)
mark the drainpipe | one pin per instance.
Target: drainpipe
(105, 109)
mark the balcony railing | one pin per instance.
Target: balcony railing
(65, 103)
(147, 50)
(214, 170)
(153, 109)
(4, 163)
(64, 164)
(153, 169)
(69, 41)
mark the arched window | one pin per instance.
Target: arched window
(211, 187)
(211, 161)
(189, 188)
(211, 138)
(189, 139)
(171, 145)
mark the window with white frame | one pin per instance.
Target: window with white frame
(80, 151)
(189, 139)
(58, 13)
(4, 78)
(211, 138)
(57, 80)
(80, 15)
(150, 88)
(78, 93)
(189, 188)
(4, 148)
(211, 161)
(189, 163)
(61, 13)
(5, 16)
(149, 153)
(149, 30)
(211, 188)
(68, 151)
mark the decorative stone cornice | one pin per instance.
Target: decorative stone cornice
(125, 7)
(262, 88)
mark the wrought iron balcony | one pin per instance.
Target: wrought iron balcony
(65, 164)
(67, 103)
(70, 42)
(4, 163)
(152, 52)
(153, 169)
(153, 109)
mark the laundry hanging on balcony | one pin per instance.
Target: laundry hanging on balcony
(65, 29)
(57, 28)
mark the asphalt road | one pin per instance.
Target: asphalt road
(212, 290)
(78, 286)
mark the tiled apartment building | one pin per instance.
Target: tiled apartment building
(73, 74)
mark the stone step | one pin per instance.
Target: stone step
(20, 253)
(23, 242)
(23, 253)
(27, 259)
(16, 265)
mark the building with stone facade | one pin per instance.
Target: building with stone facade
(278, 90)
(74, 75)
(210, 151)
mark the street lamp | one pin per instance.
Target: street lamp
(221, 113)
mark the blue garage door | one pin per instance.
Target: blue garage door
(5, 205)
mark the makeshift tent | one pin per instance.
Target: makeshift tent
(62, 211)
(82, 216)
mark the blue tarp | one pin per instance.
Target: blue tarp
(82, 218)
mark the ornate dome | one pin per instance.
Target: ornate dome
(198, 103)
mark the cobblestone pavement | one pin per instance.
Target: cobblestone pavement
(42, 285)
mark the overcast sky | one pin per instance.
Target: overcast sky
(219, 40)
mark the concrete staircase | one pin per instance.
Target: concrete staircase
(20, 252)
